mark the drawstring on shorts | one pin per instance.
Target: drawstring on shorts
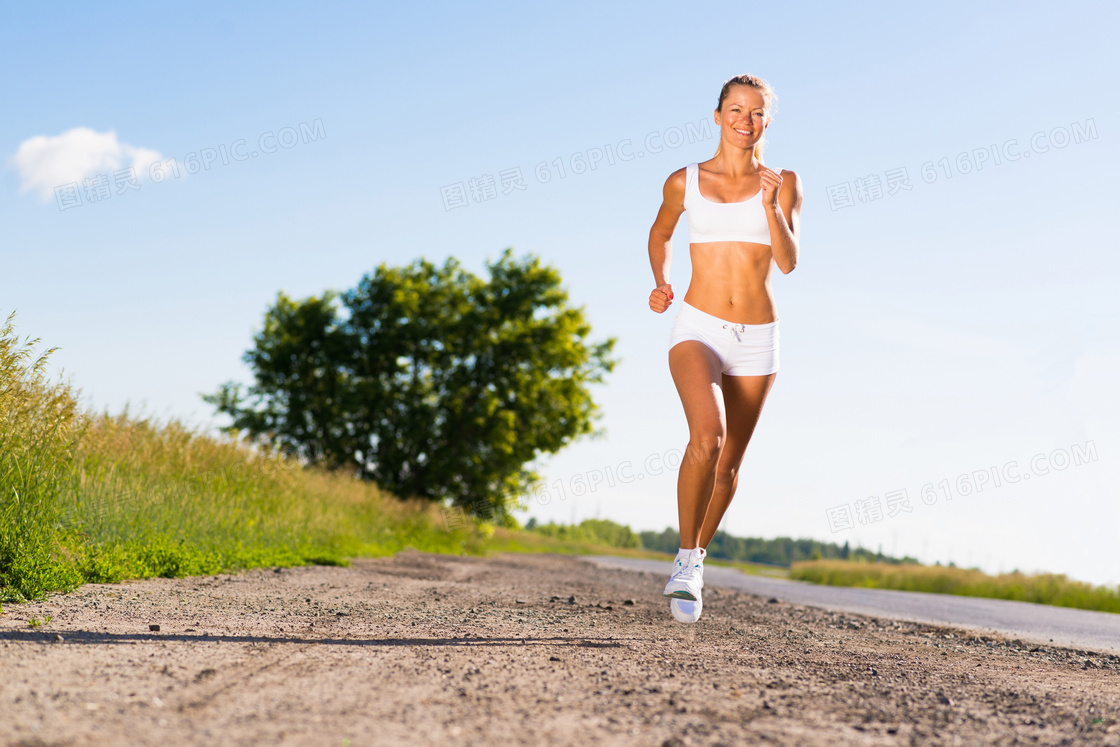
(736, 329)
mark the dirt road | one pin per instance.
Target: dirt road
(1039, 624)
(427, 649)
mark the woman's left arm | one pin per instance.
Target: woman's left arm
(781, 196)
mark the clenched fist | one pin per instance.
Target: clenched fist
(661, 298)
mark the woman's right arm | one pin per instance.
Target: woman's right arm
(661, 239)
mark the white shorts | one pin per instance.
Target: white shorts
(742, 349)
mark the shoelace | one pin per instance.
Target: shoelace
(688, 572)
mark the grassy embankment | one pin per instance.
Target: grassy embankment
(95, 498)
(99, 498)
(1043, 588)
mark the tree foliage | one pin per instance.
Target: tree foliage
(428, 380)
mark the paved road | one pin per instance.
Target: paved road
(1030, 622)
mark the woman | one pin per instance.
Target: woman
(723, 348)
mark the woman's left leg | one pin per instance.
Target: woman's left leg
(743, 398)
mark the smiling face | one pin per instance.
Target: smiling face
(743, 118)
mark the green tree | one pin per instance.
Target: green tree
(428, 380)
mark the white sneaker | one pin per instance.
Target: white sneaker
(685, 611)
(688, 577)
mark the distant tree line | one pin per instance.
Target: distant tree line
(782, 551)
(599, 531)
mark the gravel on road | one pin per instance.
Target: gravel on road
(517, 650)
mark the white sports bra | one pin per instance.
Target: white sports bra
(722, 221)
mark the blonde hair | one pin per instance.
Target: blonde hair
(768, 95)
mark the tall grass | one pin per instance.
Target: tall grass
(1045, 588)
(40, 423)
(160, 499)
(102, 498)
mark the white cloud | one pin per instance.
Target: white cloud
(44, 162)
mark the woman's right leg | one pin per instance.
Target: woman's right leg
(696, 374)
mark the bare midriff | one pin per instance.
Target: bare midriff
(731, 280)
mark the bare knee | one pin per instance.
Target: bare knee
(704, 447)
(727, 476)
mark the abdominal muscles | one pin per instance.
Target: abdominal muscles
(731, 280)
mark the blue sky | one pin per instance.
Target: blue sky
(928, 333)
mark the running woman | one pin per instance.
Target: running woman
(723, 347)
